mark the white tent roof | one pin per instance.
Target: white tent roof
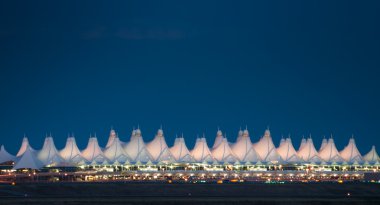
(329, 153)
(71, 153)
(49, 155)
(323, 144)
(351, 153)
(5, 156)
(201, 152)
(287, 152)
(240, 134)
(223, 152)
(308, 153)
(24, 146)
(115, 152)
(282, 141)
(218, 138)
(180, 151)
(28, 160)
(303, 143)
(243, 149)
(93, 153)
(158, 148)
(135, 133)
(372, 156)
(111, 138)
(266, 149)
(136, 148)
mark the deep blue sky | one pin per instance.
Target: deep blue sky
(300, 67)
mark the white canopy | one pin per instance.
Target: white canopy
(303, 143)
(180, 151)
(71, 154)
(372, 157)
(24, 146)
(49, 155)
(115, 152)
(282, 141)
(5, 156)
(308, 153)
(158, 148)
(136, 148)
(266, 149)
(28, 160)
(240, 134)
(287, 152)
(351, 153)
(218, 139)
(324, 143)
(201, 153)
(243, 149)
(111, 138)
(329, 153)
(93, 153)
(223, 153)
(135, 133)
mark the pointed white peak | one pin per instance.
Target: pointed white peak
(158, 148)
(246, 133)
(115, 152)
(24, 145)
(324, 143)
(287, 152)
(160, 133)
(93, 153)
(49, 155)
(111, 137)
(5, 156)
(136, 149)
(372, 157)
(134, 133)
(282, 141)
(329, 153)
(240, 134)
(303, 143)
(201, 153)
(71, 154)
(180, 151)
(218, 139)
(351, 153)
(28, 160)
(308, 153)
(138, 132)
(266, 149)
(243, 149)
(223, 152)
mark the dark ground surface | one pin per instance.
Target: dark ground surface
(155, 193)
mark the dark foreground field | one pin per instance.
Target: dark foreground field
(138, 193)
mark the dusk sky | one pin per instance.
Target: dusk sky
(300, 67)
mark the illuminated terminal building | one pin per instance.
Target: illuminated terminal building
(224, 159)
